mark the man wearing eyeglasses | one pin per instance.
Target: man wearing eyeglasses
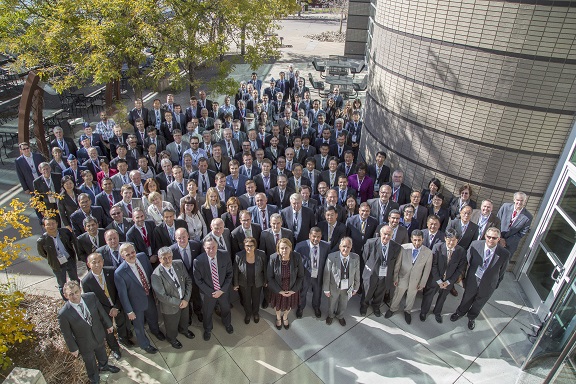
(487, 264)
(27, 167)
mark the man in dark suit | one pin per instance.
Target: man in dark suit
(120, 224)
(280, 195)
(399, 232)
(246, 229)
(91, 239)
(156, 115)
(132, 279)
(111, 250)
(515, 222)
(380, 207)
(467, 230)
(361, 227)
(74, 170)
(297, 218)
(379, 172)
(66, 144)
(448, 263)
(266, 179)
(307, 201)
(344, 191)
(108, 197)
(27, 167)
(48, 184)
(100, 281)
(262, 211)
(432, 234)
(332, 201)
(348, 167)
(58, 246)
(119, 138)
(165, 233)
(380, 255)
(172, 288)
(332, 229)
(188, 250)
(204, 177)
(213, 274)
(314, 252)
(485, 217)
(84, 325)
(138, 112)
(339, 148)
(85, 210)
(400, 191)
(141, 234)
(420, 212)
(153, 138)
(487, 265)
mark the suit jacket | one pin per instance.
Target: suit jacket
(47, 249)
(519, 228)
(85, 246)
(372, 255)
(333, 271)
(165, 289)
(210, 176)
(115, 141)
(467, 237)
(319, 166)
(260, 267)
(259, 180)
(342, 215)
(56, 168)
(241, 188)
(438, 238)
(316, 178)
(493, 274)
(208, 216)
(40, 186)
(237, 237)
(312, 204)
(103, 202)
(134, 236)
(354, 230)
(195, 250)
(174, 194)
(348, 192)
(162, 237)
(72, 148)
(135, 114)
(132, 294)
(413, 276)
(229, 222)
(342, 169)
(402, 195)
(160, 143)
(127, 224)
(375, 209)
(227, 242)
(274, 272)
(107, 255)
(306, 222)
(420, 216)
(274, 197)
(76, 175)
(444, 216)
(118, 181)
(325, 176)
(334, 150)
(90, 284)
(304, 249)
(493, 221)
(268, 241)
(253, 171)
(173, 149)
(454, 206)
(338, 233)
(152, 116)
(381, 179)
(442, 270)
(203, 273)
(78, 334)
(77, 219)
(257, 217)
(292, 182)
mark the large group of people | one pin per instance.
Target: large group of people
(267, 196)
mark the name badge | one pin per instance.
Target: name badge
(354, 137)
(479, 273)
(344, 284)
(314, 273)
(62, 259)
(51, 199)
(377, 187)
(382, 271)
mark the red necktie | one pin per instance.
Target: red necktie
(130, 209)
(111, 200)
(214, 273)
(145, 236)
(143, 279)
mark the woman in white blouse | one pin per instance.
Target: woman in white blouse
(157, 207)
(195, 221)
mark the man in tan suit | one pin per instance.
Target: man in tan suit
(410, 274)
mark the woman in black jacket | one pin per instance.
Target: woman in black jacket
(250, 277)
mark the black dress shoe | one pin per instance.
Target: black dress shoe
(422, 317)
(256, 318)
(175, 344)
(438, 318)
(207, 335)
(388, 314)
(200, 317)
(110, 368)
(342, 322)
(455, 317)
(363, 310)
(407, 317)
(328, 320)
(246, 319)
(377, 312)
(117, 355)
(230, 329)
(317, 313)
(265, 304)
(150, 349)
(160, 336)
(471, 324)
(189, 334)
(299, 313)
(126, 342)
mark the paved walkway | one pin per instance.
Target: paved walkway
(368, 350)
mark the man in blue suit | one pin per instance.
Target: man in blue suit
(132, 280)
(235, 179)
(27, 167)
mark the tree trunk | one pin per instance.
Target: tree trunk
(341, 21)
(191, 76)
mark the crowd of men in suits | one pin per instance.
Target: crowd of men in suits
(307, 184)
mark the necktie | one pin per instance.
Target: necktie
(342, 200)
(129, 206)
(214, 272)
(323, 162)
(143, 279)
(181, 186)
(103, 284)
(86, 313)
(174, 278)
(111, 200)
(281, 196)
(339, 151)
(464, 228)
(145, 236)
(125, 179)
(116, 257)
(277, 236)
(431, 239)
(363, 227)
(414, 255)
(179, 148)
(384, 250)
(94, 243)
(513, 218)
(204, 184)
(251, 201)
(347, 170)
(315, 257)
(185, 258)
(171, 233)
(295, 222)
(330, 232)
(449, 255)
(487, 260)
(263, 220)
(221, 242)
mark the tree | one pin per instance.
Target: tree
(341, 7)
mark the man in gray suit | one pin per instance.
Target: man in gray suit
(177, 147)
(172, 287)
(410, 274)
(84, 324)
(487, 265)
(177, 189)
(380, 208)
(485, 217)
(341, 280)
(515, 222)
